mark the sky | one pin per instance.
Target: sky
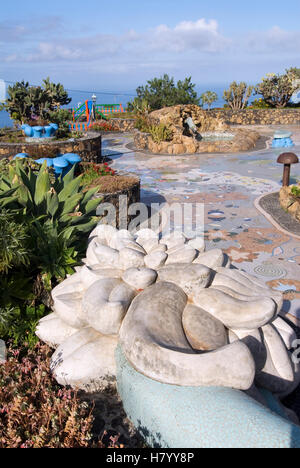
(118, 45)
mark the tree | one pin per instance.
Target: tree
(277, 89)
(238, 95)
(162, 92)
(208, 98)
(26, 102)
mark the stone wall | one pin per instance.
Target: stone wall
(123, 125)
(243, 140)
(290, 203)
(88, 147)
(257, 116)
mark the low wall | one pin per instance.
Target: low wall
(123, 125)
(258, 116)
(290, 203)
(243, 140)
(88, 147)
(122, 200)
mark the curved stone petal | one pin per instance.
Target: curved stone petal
(212, 259)
(130, 258)
(184, 254)
(278, 374)
(253, 285)
(89, 275)
(106, 256)
(234, 313)
(254, 340)
(189, 277)
(72, 284)
(156, 260)
(104, 233)
(53, 331)
(174, 240)
(198, 243)
(203, 331)
(86, 361)
(69, 309)
(285, 331)
(153, 340)
(139, 278)
(105, 304)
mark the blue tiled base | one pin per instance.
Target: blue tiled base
(199, 417)
(282, 143)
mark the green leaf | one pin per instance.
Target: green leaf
(43, 184)
(70, 189)
(52, 203)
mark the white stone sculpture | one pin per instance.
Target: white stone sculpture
(182, 316)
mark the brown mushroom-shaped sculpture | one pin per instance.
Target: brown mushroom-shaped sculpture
(287, 159)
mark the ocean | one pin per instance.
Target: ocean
(118, 98)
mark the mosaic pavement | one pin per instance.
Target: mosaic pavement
(228, 186)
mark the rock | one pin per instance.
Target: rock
(53, 331)
(277, 374)
(68, 308)
(2, 352)
(139, 278)
(153, 340)
(234, 313)
(156, 259)
(188, 276)
(86, 361)
(209, 417)
(145, 235)
(203, 331)
(212, 259)
(105, 304)
(185, 254)
(150, 245)
(130, 258)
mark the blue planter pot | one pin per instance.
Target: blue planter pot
(37, 132)
(48, 160)
(72, 158)
(61, 166)
(20, 156)
(27, 130)
(49, 131)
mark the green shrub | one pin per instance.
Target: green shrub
(14, 237)
(163, 92)
(295, 191)
(160, 133)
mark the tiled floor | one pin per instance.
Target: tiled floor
(228, 186)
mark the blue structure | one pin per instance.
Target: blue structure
(62, 164)
(282, 140)
(48, 131)
(170, 416)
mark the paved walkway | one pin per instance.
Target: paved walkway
(228, 185)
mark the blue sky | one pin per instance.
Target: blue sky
(117, 45)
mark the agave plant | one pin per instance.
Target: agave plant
(59, 214)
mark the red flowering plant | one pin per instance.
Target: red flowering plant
(102, 127)
(94, 171)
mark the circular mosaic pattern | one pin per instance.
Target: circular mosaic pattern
(270, 270)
